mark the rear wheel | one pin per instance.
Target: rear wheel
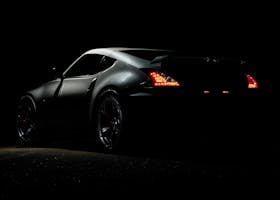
(26, 125)
(109, 121)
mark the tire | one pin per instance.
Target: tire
(26, 124)
(109, 121)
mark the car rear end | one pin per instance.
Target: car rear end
(199, 105)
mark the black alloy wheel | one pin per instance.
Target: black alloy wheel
(109, 122)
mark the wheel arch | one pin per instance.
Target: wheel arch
(30, 97)
(120, 78)
(94, 101)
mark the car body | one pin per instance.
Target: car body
(95, 91)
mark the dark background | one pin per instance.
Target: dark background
(39, 36)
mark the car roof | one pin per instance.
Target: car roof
(122, 49)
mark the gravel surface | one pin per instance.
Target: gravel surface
(25, 172)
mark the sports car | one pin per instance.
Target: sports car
(96, 92)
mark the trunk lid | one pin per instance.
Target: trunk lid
(206, 74)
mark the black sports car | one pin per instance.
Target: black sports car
(94, 93)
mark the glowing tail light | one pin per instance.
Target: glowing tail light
(162, 80)
(252, 83)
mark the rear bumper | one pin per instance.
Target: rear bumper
(203, 123)
(185, 92)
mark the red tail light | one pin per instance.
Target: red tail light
(252, 83)
(161, 80)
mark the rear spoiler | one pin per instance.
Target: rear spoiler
(159, 59)
(205, 59)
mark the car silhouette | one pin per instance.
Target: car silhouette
(95, 91)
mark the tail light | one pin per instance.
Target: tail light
(162, 80)
(252, 83)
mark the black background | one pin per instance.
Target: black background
(38, 36)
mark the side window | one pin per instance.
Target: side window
(86, 65)
(106, 62)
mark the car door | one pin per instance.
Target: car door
(73, 95)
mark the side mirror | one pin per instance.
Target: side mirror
(54, 73)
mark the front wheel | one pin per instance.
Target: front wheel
(109, 121)
(26, 125)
